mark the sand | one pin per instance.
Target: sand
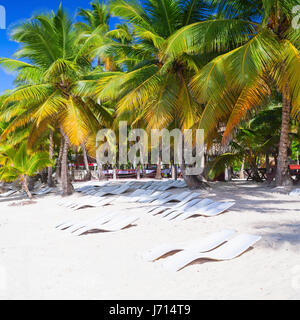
(39, 262)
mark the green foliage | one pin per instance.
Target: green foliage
(16, 164)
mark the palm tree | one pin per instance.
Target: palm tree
(254, 142)
(44, 95)
(259, 50)
(21, 164)
(146, 86)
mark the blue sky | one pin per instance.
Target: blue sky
(18, 10)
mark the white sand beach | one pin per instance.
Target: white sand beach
(38, 261)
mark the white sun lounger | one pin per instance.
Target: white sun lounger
(169, 209)
(295, 192)
(209, 210)
(173, 197)
(189, 208)
(201, 245)
(116, 191)
(140, 195)
(104, 218)
(111, 226)
(43, 191)
(156, 195)
(230, 250)
(74, 202)
(99, 203)
(71, 222)
(8, 193)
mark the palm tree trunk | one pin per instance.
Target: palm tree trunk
(158, 169)
(58, 168)
(138, 172)
(25, 187)
(51, 154)
(86, 163)
(114, 172)
(282, 175)
(101, 175)
(67, 188)
(193, 182)
(241, 175)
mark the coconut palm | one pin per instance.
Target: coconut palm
(21, 164)
(261, 52)
(147, 87)
(44, 96)
(253, 143)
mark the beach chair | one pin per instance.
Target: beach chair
(140, 195)
(173, 197)
(206, 209)
(43, 191)
(230, 250)
(8, 193)
(154, 196)
(159, 209)
(191, 206)
(98, 202)
(146, 185)
(115, 224)
(104, 218)
(72, 222)
(115, 190)
(201, 245)
(295, 192)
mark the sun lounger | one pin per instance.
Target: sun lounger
(71, 222)
(8, 193)
(100, 202)
(202, 245)
(173, 197)
(159, 209)
(209, 210)
(230, 250)
(114, 191)
(295, 192)
(154, 196)
(116, 224)
(189, 208)
(140, 195)
(43, 191)
(104, 218)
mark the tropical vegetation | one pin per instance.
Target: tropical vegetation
(230, 67)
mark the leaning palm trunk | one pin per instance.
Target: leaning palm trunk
(86, 164)
(24, 183)
(282, 175)
(51, 154)
(67, 188)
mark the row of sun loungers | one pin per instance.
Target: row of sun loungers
(42, 191)
(189, 204)
(224, 245)
(217, 246)
(163, 185)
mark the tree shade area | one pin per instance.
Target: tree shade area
(229, 67)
